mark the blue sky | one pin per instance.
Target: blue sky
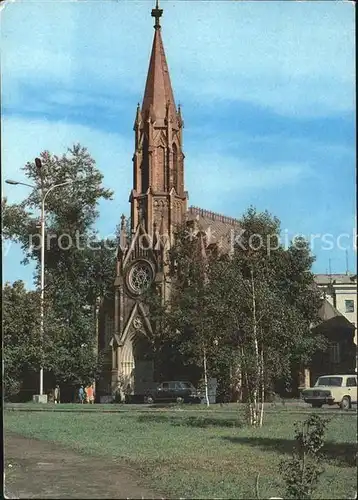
(267, 96)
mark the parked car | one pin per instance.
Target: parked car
(331, 390)
(177, 390)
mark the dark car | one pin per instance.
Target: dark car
(177, 390)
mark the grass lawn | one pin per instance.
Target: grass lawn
(197, 453)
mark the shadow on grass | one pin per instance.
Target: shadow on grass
(342, 453)
(190, 421)
(164, 405)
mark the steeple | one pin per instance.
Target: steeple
(158, 199)
(158, 92)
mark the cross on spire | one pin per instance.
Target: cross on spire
(157, 14)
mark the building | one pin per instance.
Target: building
(158, 202)
(338, 316)
(340, 356)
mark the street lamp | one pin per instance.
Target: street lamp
(41, 398)
(14, 183)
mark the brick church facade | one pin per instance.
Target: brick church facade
(158, 203)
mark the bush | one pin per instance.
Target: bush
(302, 471)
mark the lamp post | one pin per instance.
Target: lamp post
(41, 398)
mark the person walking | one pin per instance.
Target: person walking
(90, 394)
(81, 394)
(56, 394)
(86, 394)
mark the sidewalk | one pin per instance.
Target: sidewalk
(39, 469)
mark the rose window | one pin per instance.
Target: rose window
(140, 277)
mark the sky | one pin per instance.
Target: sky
(267, 92)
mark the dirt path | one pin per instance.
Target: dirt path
(39, 469)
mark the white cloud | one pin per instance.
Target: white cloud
(226, 175)
(5, 4)
(24, 139)
(227, 138)
(12, 269)
(294, 57)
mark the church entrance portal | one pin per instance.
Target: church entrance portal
(143, 373)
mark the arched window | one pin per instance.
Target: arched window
(175, 168)
(145, 166)
(160, 171)
(109, 329)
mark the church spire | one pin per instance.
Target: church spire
(158, 92)
(158, 198)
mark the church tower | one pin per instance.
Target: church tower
(158, 203)
(158, 199)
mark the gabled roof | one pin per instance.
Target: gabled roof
(332, 319)
(136, 249)
(326, 279)
(328, 311)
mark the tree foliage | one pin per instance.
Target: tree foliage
(79, 268)
(250, 313)
(21, 329)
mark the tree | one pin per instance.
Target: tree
(20, 332)
(182, 324)
(79, 271)
(264, 327)
(252, 310)
(271, 303)
(14, 220)
(190, 301)
(23, 351)
(71, 210)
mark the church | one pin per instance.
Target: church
(158, 203)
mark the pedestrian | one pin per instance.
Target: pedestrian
(90, 394)
(56, 394)
(127, 394)
(86, 394)
(81, 394)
